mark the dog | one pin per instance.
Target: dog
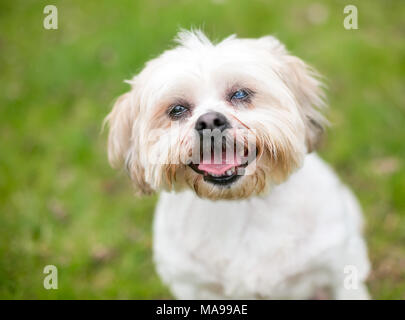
(266, 220)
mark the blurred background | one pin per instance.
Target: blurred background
(61, 203)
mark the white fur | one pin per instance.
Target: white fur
(285, 230)
(287, 244)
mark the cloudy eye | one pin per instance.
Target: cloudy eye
(178, 111)
(240, 95)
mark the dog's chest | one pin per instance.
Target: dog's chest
(241, 245)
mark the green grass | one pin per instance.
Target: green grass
(61, 203)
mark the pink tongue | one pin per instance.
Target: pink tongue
(219, 168)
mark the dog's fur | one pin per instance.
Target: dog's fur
(288, 228)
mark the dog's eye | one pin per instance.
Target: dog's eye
(240, 95)
(177, 111)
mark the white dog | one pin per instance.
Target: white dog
(272, 221)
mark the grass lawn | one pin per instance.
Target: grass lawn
(61, 203)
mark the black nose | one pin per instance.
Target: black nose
(211, 120)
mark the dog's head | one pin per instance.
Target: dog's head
(227, 120)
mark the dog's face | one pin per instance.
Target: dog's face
(259, 106)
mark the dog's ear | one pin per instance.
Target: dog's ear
(120, 122)
(123, 140)
(303, 81)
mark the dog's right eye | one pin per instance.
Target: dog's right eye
(178, 111)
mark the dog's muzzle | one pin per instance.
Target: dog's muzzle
(219, 162)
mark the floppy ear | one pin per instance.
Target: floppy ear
(123, 141)
(303, 82)
(307, 89)
(120, 123)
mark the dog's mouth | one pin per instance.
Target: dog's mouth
(223, 171)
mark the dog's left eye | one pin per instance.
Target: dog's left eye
(177, 112)
(239, 95)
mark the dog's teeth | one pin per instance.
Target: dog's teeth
(229, 172)
(241, 171)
